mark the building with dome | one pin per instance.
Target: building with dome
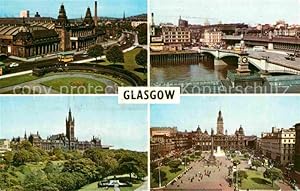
(44, 35)
(169, 141)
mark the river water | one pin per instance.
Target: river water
(204, 71)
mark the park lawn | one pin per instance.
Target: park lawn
(16, 80)
(256, 180)
(76, 85)
(170, 176)
(130, 63)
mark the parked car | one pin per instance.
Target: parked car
(14, 64)
(259, 49)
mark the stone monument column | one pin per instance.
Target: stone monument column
(243, 65)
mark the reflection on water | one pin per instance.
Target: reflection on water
(204, 71)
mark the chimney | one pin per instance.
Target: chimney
(96, 14)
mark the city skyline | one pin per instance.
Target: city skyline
(233, 11)
(236, 111)
(74, 8)
(101, 117)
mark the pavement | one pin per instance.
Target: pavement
(144, 186)
(216, 180)
(16, 74)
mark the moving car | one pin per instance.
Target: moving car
(290, 56)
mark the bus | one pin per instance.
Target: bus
(65, 56)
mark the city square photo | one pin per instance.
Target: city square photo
(72, 143)
(72, 46)
(231, 46)
(226, 143)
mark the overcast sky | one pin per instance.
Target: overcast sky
(74, 8)
(227, 11)
(255, 113)
(123, 126)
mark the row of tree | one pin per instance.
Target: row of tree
(35, 169)
(115, 55)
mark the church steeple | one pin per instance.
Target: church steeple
(70, 125)
(220, 124)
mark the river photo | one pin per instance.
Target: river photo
(204, 71)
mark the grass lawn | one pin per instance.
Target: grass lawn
(76, 85)
(16, 80)
(130, 63)
(170, 176)
(257, 181)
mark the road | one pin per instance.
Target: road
(276, 57)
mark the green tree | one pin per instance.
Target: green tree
(155, 175)
(174, 164)
(273, 174)
(95, 51)
(8, 157)
(115, 55)
(165, 161)
(142, 33)
(21, 157)
(58, 154)
(198, 153)
(129, 167)
(141, 59)
(241, 175)
(84, 166)
(236, 162)
(256, 164)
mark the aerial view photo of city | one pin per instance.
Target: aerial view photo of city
(224, 144)
(232, 46)
(72, 47)
(72, 143)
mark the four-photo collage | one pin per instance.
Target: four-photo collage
(65, 65)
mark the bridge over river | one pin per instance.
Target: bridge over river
(267, 61)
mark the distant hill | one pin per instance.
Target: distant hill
(141, 17)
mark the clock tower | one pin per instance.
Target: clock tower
(220, 124)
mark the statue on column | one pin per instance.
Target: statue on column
(212, 158)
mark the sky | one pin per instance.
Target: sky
(227, 11)
(74, 8)
(256, 114)
(122, 126)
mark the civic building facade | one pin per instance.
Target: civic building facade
(167, 141)
(66, 141)
(28, 37)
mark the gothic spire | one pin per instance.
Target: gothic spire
(70, 115)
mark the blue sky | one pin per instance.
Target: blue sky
(74, 8)
(123, 126)
(255, 113)
(227, 11)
